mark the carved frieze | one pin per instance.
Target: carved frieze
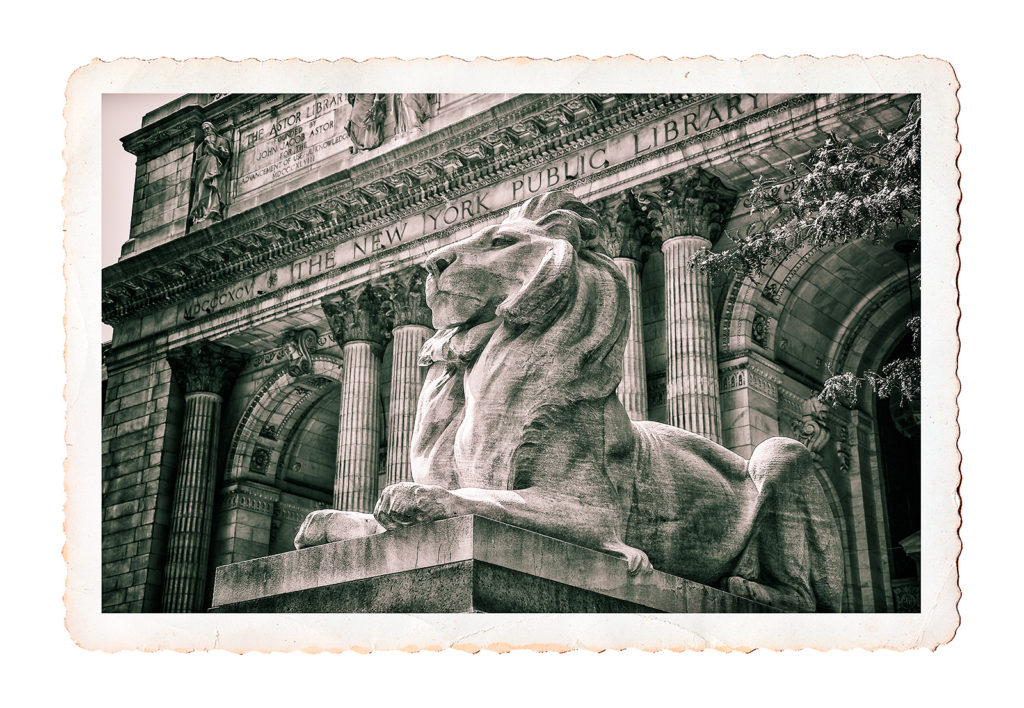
(689, 203)
(250, 498)
(362, 314)
(204, 367)
(429, 166)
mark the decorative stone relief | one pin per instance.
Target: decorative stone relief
(250, 497)
(378, 116)
(204, 367)
(362, 314)
(812, 426)
(299, 345)
(260, 460)
(209, 177)
(759, 330)
(772, 293)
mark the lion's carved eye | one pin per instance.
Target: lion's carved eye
(504, 241)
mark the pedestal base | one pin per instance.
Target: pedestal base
(465, 564)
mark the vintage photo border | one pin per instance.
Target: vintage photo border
(936, 623)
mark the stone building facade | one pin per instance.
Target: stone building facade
(268, 308)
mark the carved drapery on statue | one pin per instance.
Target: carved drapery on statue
(378, 116)
(204, 372)
(519, 422)
(209, 177)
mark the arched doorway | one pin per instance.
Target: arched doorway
(281, 462)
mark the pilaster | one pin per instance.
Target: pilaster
(749, 398)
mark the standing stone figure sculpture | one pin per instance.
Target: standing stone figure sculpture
(518, 421)
(376, 117)
(209, 176)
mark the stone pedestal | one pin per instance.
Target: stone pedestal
(464, 564)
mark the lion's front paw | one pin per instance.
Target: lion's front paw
(748, 589)
(410, 503)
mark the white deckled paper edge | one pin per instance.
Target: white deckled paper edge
(936, 623)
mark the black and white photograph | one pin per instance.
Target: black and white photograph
(536, 354)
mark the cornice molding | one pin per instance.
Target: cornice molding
(414, 177)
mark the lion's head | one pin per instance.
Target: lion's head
(517, 269)
(532, 321)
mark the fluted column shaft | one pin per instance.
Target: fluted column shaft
(692, 370)
(355, 486)
(192, 513)
(360, 320)
(406, 382)
(632, 390)
(203, 371)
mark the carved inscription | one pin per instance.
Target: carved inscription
(317, 120)
(299, 135)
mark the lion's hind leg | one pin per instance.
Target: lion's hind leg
(793, 559)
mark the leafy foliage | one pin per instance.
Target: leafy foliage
(841, 193)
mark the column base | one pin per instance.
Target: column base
(464, 564)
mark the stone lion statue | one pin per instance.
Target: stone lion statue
(518, 421)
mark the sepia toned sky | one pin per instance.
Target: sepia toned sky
(122, 114)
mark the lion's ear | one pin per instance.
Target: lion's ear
(546, 290)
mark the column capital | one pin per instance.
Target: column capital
(408, 298)
(361, 314)
(689, 203)
(204, 367)
(630, 232)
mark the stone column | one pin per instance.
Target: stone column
(203, 371)
(628, 241)
(411, 329)
(359, 320)
(690, 209)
